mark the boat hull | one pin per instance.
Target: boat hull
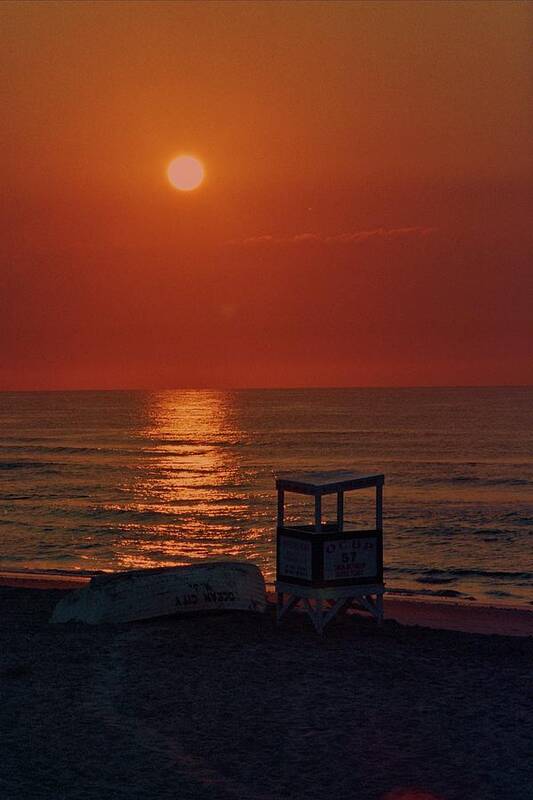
(143, 594)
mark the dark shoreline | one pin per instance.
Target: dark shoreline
(230, 707)
(439, 613)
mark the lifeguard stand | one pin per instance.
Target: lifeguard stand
(324, 565)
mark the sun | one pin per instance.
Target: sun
(185, 173)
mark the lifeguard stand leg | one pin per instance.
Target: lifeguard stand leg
(319, 617)
(367, 603)
(379, 608)
(379, 508)
(282, 606)
(340, 511)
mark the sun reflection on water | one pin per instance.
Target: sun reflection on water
(189, 497)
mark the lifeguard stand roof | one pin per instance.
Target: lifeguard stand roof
(325, 482)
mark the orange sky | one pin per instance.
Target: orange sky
(365, 218)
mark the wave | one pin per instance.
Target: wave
(431, 593)
(139, 452)
(57, 467)
(181, 514)
(462, 531)
(519, 518)
(461, 572)
(47, 466)
(469, 479)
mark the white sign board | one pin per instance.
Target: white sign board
(294, 560)
(350, 558)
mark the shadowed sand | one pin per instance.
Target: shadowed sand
(229, 706)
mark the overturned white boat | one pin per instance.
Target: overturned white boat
(141, 594)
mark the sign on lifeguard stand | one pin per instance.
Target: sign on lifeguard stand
(324, 565)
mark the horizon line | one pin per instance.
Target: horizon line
(272, 388)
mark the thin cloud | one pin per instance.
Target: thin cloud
(339, 238)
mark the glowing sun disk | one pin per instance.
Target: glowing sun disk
(185, 173)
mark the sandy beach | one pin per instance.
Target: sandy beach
(230, 706)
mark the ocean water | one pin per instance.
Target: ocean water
(119, 480)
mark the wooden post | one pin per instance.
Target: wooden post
(319, 619)
(379, 508)
(340, 511)
(379, 608)
(318, 513)
(281, 502)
